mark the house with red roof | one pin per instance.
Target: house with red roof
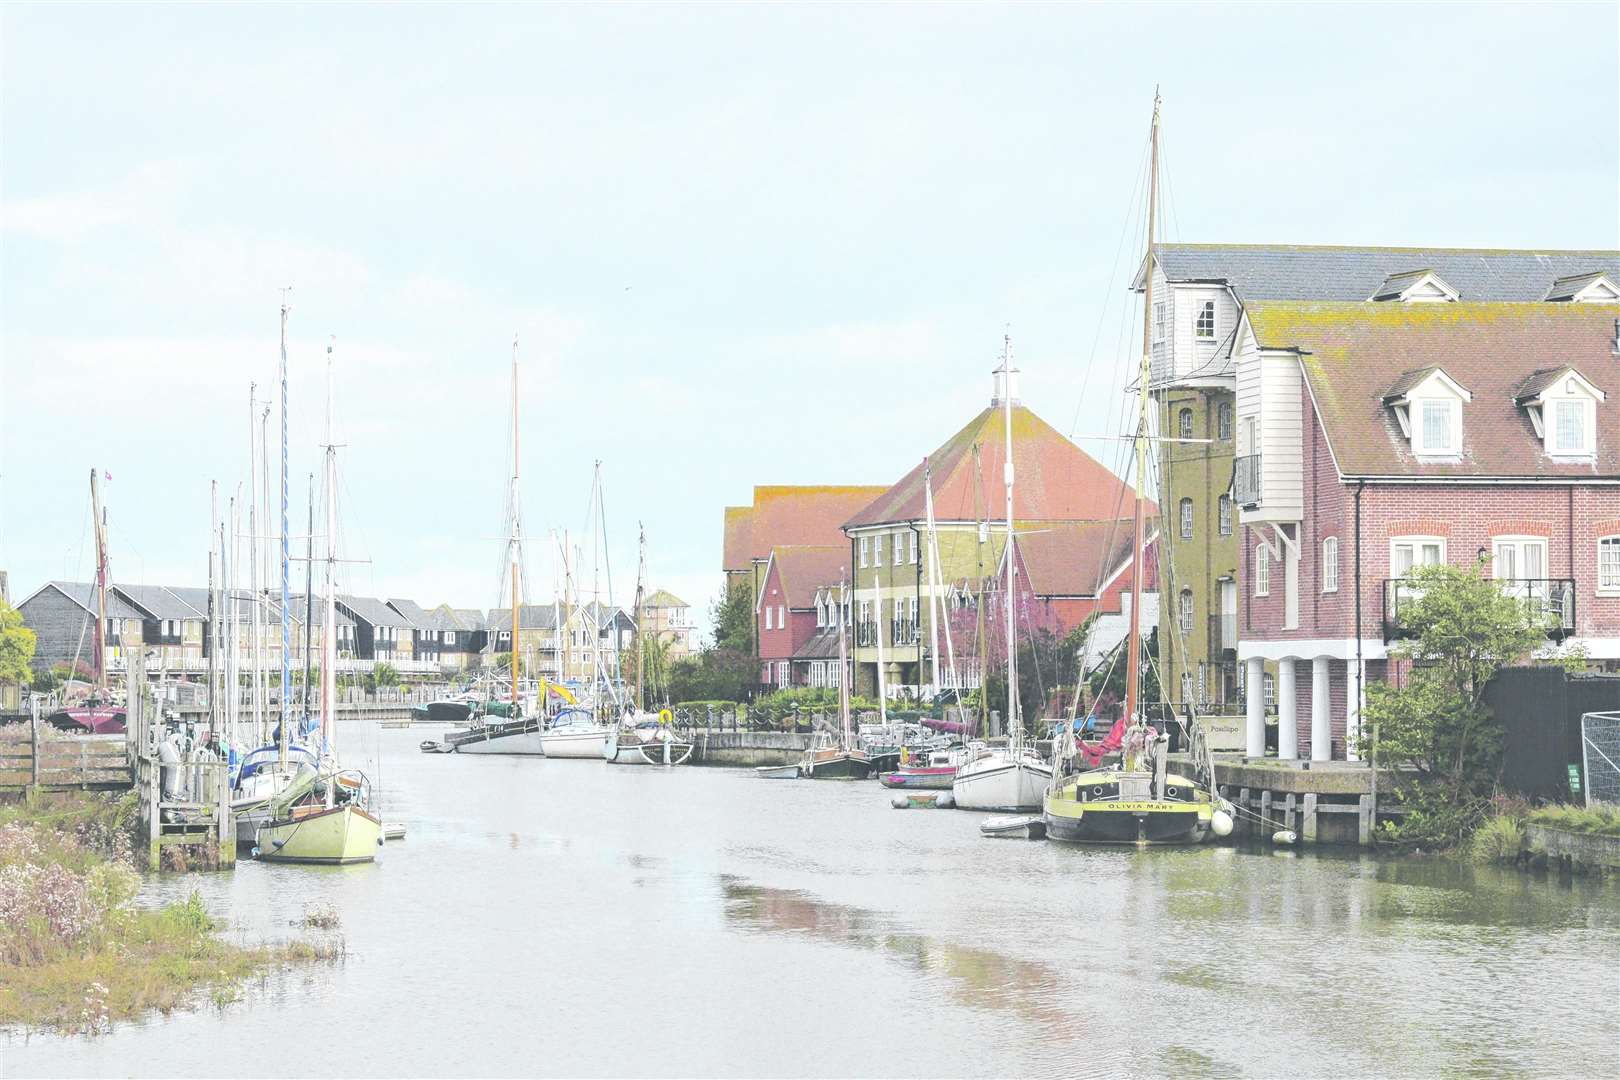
(1376, 436)
(789, 614)
(1058, 487)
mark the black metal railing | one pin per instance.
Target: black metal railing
(1548, 603)
(1246, 480)
(866, 633)
(903, 631)
(1223, 636)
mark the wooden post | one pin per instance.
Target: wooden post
(1265, 809)
(1309, 833)
(1289, 821)
(1248, 822)
(1364, 820)
(33, 743)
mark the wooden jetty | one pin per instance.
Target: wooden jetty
(1323, 802)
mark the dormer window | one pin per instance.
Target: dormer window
(1415, 287)
(1596, 287)
(1562, 406)
(1204, 324)
(1428, 407)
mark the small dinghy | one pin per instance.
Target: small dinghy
(434, 746)
(393, 830)
(777, 772)
(923, 800)
(1014, 828)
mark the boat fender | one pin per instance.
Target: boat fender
(945, 801)
(1220, 823)
(1283, 836)
(900, 802)
(665, 717)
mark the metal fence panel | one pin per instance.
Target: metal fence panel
(1600, 754)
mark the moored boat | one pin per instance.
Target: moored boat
(777, 772)
(574, 733)
(332, 835)
(1018, 828)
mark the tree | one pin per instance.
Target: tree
(1107, 683)
(732, 614)
(382, 674)
(1464, 629)
(654, 654)
(16, 646)
(713, 675)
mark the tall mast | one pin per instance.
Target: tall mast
(309, 597)
(1015, 727)
(1133, 675)
(98, 516)
(286, 601)
(211, 637)
(843, 664)
(877, 632)
(982, 535)
(329, 638)
(255, 631)
(641, 651)
(513, 542)
(933, 585)
(261, 555)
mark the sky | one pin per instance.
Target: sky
(737, 245)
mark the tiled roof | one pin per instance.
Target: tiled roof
(165, 603)
(802, 569)
(663, 598)
(1055, 480)
(467, 619)
(1074, 559)
(1353, 353)
(791, 514)
(822, 645)
(1304, 272)
(1567, 288)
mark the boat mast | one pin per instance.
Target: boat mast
(512, 541)
(309, 597)
(329, 638)
(1015, 727)
(933, 584)
(843, 664)
(641, 651)
(98, 516)
(981, 644)
(877, 632)
(212, 638)
(1133, 674)
(286, 601)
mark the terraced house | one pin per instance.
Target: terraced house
(1379, 436)
(1058, 488)
(1200, 295)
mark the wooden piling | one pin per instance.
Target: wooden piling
(1309, 830)
(1364, 821)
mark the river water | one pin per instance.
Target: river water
(575, 918)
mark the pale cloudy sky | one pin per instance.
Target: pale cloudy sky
(740, 244)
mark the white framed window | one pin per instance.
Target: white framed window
(1572, 427)
(768, 617)
(913, 557)
(1186, 686)
(1406, 552)
(781, 616)
(900, 547)
(1204, 324)
(1262, 570)
(1223, 421)
(1224, 513)
(1519, 558)
(877, 550)
(1185, 610)
(1158, 321)
(1437, 430)
(1186, 519)
(863, 546)
(781, 673)
(1330, 564)
(1608, 565)
(1269, 683)
(1184, 423)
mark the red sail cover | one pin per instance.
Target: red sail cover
(1094, 751)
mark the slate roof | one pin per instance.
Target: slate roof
(530, 617)
(371, 610)
(1056, 480)
(791, 514)
(412, 615)
(1352, 354)
(1074, 559)
(83, 593)
(821, 645)
(802, 569)
(468, 619)
(1306, 272)
(165, 603)
(318, 618)
(1567, 288)
(1539, 381)
(663, 598)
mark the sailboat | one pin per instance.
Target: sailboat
(643, 737)
(1013, 777)
(1136, 800)
(583, 732)
(512, 727)
(325, 814)
(841, 758)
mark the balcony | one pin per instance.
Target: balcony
(866, 633)
(1223, 637)
(1547, 602)
(1246, 480)
(903, 631)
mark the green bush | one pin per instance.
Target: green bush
(1599, 820)
(1499, 839)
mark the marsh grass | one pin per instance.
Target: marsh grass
(78, 955)
(1599, 820)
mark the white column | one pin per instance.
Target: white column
(1255, 686)
(1287, 712)
(1321, 711)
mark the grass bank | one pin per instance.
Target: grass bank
(77, 954)
(1500, 837)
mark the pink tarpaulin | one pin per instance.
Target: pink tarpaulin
(1094, 751)
(950, 727)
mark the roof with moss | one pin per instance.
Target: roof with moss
(1055, 479)
(1352, 354)
(790, 514)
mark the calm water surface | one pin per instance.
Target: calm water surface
(575, 918)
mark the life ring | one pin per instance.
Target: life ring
(665, 717)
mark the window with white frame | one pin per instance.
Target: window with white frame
(1224, 512)
(1185, 611)
(1270, 685)
(863, 546)
(877, 550)
(1519, 558)
(900, 547)
(913, 557)
(1262, 569)
(449, 637)
(1186, 519)
(1437, 427)
(781, 616)
(1330, 564)
(1186, 686)
(781, 673)
(1204, 324)
(1571, 427)
(1184, 423)
(1608, 565)
(1158, 320)
(767, 617)
(1407, 552)
(1223, 421)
